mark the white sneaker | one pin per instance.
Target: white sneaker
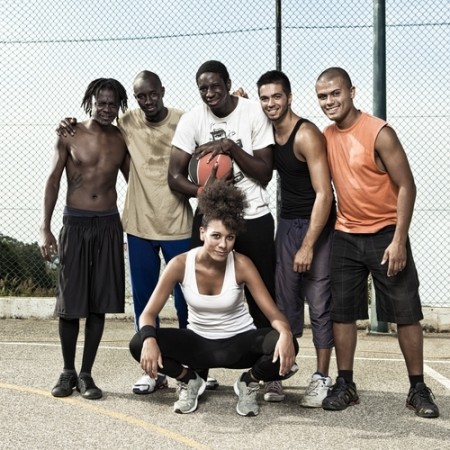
(147, 385)
(247, 404)
(188, 394)
(316, 391)
(274, 392)
(211, 384)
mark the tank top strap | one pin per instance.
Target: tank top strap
(189, 270)
(230, 275)
(290, 141)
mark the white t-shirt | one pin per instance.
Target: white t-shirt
(248, 126)
(215, 316)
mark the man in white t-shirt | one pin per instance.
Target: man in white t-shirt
(224, 123)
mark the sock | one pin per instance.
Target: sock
(347, 375)
(317, 372)
(190, 375)
(247, 378)
(94, 326)
(414, 379)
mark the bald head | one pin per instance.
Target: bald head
(149, 93)
(146, 75)
(335, 72)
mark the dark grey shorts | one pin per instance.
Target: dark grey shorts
(354, 256)
(91, 277)
(314, 286)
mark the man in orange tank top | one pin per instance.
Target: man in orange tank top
(375, 194)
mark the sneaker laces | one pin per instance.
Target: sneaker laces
(276, 387)
(181, 387)
(251, 389)
(313, 385)
(425, 393)
(338, 388)
(66, 378)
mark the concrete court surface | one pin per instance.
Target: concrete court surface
(30, 418)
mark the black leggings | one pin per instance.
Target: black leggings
(180, 347)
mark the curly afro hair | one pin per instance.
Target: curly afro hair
(224, 202)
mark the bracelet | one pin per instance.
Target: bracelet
(147, 331)
(199, 190)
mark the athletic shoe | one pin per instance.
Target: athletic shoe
(421, 400)
(247, 404)
(65, 385)
(341, 395)
(147, 385)
(316, 391)
(188, 394)
(274, 392)
(211, 384)
(87, 388)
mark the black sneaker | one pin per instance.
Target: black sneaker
(87, 388)
(341, 395)
(65, 384)
(421, 400)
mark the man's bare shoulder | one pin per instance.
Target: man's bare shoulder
(309, 141)
(309, 127)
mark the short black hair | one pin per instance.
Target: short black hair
(215, 67)
(224, 202)
(104, 83)
(275, 77)
(336, 72)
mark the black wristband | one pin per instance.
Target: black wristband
(147, 331)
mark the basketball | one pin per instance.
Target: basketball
(200, 170)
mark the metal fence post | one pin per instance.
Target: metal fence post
(379, 110)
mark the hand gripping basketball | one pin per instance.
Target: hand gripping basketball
(200, 170)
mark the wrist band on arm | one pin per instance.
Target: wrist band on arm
(147, 331)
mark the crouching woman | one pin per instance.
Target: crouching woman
(221, 332)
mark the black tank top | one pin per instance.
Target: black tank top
(297, 193)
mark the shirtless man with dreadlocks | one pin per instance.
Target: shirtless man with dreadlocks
(91, 278)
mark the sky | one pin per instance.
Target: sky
(51, 50)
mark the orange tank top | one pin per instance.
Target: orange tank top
(366, 195)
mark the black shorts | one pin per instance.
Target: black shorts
(354, 256)
(91, 277)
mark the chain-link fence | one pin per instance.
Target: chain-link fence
(51, 50)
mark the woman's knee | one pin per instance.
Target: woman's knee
(136, 347)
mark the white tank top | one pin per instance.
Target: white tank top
(215, 316)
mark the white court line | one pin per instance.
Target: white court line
(437, 376)
(109, 347)
(427, 369)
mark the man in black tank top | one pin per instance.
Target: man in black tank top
(305, 228)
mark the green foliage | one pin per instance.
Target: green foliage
(23, 271)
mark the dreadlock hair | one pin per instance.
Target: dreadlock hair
(224, 202)
(275, 77)
(214, 67)
(336, 72)
(104, 83)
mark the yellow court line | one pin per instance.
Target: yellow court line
(115, 415)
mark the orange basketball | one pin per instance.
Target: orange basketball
(200, 170)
